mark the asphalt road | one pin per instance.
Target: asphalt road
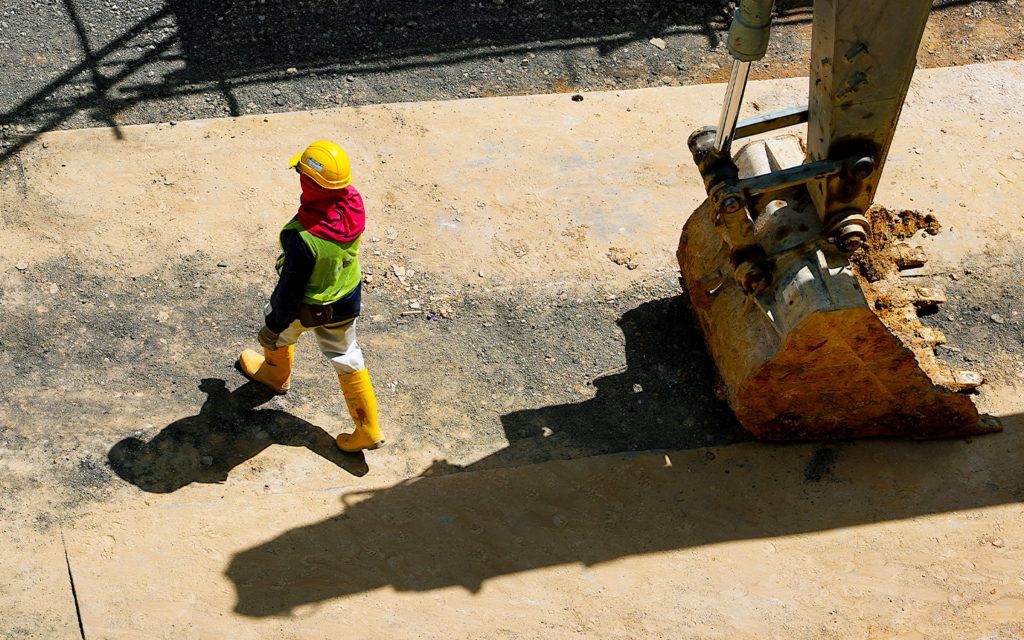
(84, 63)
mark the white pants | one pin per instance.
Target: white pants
(337, 342)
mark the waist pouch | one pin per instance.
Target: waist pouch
(314, 315)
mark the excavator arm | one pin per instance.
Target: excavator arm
(792, 274)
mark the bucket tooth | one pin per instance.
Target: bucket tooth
(959, 379)
(965, 379)
(928, 296)
(908, 257)
(931, 336)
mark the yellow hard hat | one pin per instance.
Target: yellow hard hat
(325, 163)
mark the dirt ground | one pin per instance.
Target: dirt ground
(558, 461)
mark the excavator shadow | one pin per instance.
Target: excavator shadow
(452, 528)
(466, 528)
(227, 431)
(663, 398)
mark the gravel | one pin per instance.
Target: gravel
(103, 63)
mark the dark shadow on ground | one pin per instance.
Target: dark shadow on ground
(461, 529)
(189, 47)
(227, 431)
(663, 398)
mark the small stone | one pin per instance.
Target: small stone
(222, 264)
(998, 543)
(637, 388)
(291, 70)
(996, 318)
(277, 92)
(1017, 155)
(398, 270)
(658, 42)
(21, 266)
(415, 305)
(577, 97)
(481, 274)
(350, 78)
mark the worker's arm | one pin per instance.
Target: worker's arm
(294, 275)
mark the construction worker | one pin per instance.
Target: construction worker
(319, 289)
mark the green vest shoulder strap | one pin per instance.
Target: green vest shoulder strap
(336, 272)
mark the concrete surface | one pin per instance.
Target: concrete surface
(445, 533)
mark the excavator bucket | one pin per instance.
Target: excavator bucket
(793, 274)
(834, 347)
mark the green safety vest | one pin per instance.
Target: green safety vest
(336, 272)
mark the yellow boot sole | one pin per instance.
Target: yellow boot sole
(358, 448)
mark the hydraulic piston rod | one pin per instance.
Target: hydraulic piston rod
(748, 41)
(731, 107)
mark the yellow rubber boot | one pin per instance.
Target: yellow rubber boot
(273, 368)
(362, 404)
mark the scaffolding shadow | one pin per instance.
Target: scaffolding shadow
(189, 47)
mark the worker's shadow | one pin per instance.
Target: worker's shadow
(227, 431)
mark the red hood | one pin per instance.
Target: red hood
(331, 214)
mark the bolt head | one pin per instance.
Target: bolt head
(852, 243)
(851, 238)
(862, 167)
(758, 282)
(752, 277)
(732, 204)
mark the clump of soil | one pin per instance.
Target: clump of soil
(883, 252)
(896, 301)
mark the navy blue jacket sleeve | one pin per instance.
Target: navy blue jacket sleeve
(295, 271)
